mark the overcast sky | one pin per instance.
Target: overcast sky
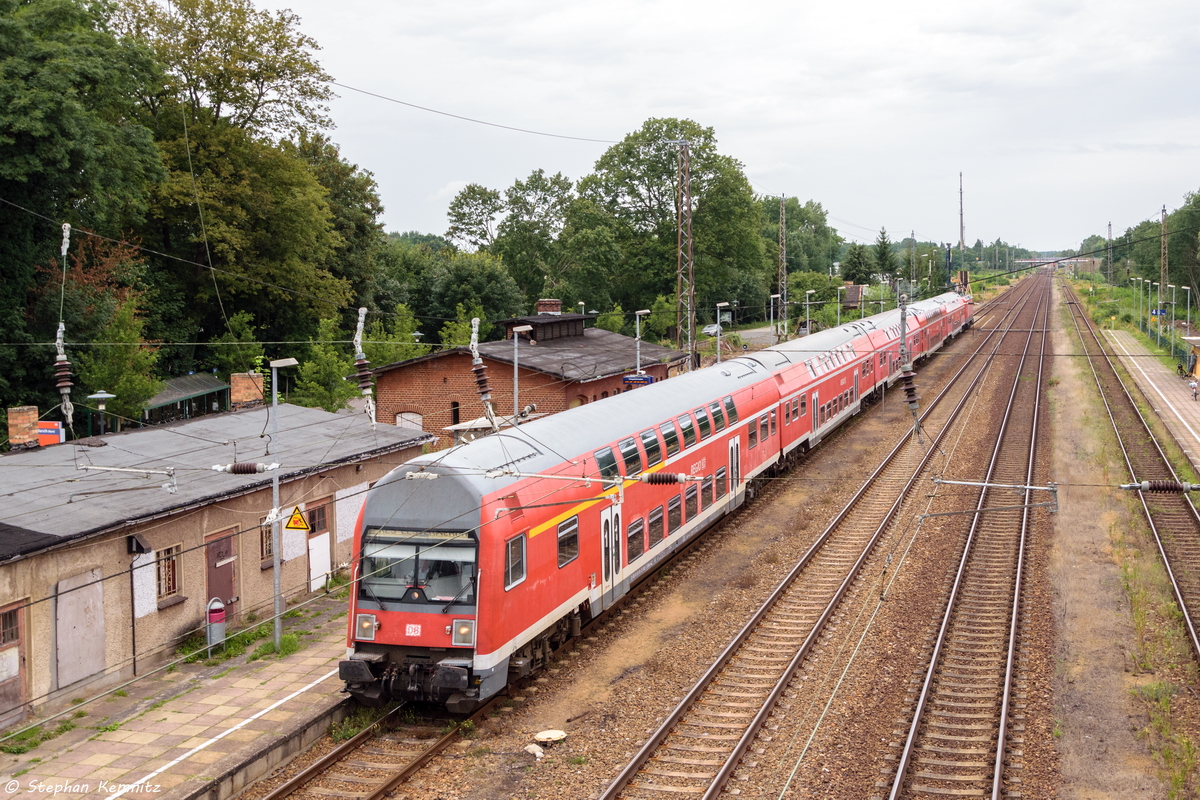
(1062, 115)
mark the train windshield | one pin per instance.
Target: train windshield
(418, 567)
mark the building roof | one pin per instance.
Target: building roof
(596, 354)
(50, 498)
(179, 389)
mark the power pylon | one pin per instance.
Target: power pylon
(685, 287)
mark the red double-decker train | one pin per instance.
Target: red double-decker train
(472, 564)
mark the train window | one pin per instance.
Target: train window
(702, 421)
(721, 482)
(607, 463)
(706, 491)
(418, 567)
(670, 437)
(633, 459)
(635, 539)
(514, 561)
(762, 427)
(689, 431)
(787, 412)
(730, 410)
(656, 526)
(751, 436)
(866, 367)
(882, 359)
(803, 404)
(674, 514)
(568, 541)
(772, 423)
(821, 418)
(650, 445)
(718, 417)
(691, 501)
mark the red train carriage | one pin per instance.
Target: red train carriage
(475, 562)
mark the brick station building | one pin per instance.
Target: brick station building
(560, 364)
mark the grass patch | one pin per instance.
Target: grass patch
(195, 647)
(79, 714)
(577, 760)
(109, 728)
(20, 772)
(355, 722)
(27, 740)
(120, 693)
(288, 643)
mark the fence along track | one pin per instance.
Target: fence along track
(696, 750)
(1172, 518)
(956, 741)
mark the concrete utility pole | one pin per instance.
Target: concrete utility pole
(782, 261)
(685, 289)
(1163, 271)
(962, 231)
(276, 534)
(912, 259)
(1110, 263)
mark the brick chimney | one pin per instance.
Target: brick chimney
(23, 427)
(549, 307)
(245, 389)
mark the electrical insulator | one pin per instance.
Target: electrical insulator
(910, 390)
(663, 478)
(481, 379)
(244, 468)
(363, 374)
(1162, 487)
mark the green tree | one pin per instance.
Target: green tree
(69, 150)
(393, 340)
(856, 266)
(885, 262)
(473, 213)
(661, 318)
(528, 237)
(237, 349)
(121, 363)
(472, 280)
(323, 375)
(457, 332)
(612, 320)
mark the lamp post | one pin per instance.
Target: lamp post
(774, 337)
(719, 307)
(101, 397)
(276, 533)
(1139, 294)
(516, 335)
(637, 322)
(1188, 324)
(839, 304)
(1157, 328)
(807, 314)
(1171, 286)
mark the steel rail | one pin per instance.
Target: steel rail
(947, 618)
(1165, 463)
(626, 776)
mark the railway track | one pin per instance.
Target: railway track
(1172, 517)
(696, 750)
(958, 732)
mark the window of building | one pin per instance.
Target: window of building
(706, 491)
(265, 550)
(656, 526)
(568, 541)
(514, 561)
(454, 413)
(10, 626)
(722, 483)
(731, 410)
(670, 437)
(635, 539)
(692, 501)
(318, 517)
(633, 459)
(702, 421)
(168, 571)
(689, 431)
(674, 514)
(718, 417)
(650, 445)
(607, 463)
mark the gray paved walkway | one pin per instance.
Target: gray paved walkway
(1169, 394)
(175, 733)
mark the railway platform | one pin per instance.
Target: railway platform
(1168, 393)
(197, 731)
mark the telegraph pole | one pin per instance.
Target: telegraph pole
(962, 230)
(1110, 261)
(685, 289)
(782, 263)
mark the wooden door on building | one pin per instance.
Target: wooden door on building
(221, 569)
(12, 663)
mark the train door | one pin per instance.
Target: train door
(735, 471)
(610, 553)
(854, 399)
(815, 406)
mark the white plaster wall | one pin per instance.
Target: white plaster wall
(347, 503)
(145, 587)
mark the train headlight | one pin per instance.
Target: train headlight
(464, 633)
(365, 626)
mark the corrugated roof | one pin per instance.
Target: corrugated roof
(185, 388)
(48, 498)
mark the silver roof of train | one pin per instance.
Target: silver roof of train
(575, 433)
